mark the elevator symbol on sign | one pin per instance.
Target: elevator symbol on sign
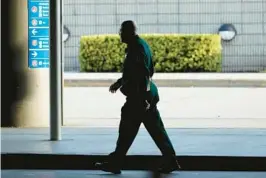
(34, 63)
(34, 22)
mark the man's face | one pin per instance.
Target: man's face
(122, 35)
(125, 35)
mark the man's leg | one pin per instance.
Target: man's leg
(154, 125)
(128, 129)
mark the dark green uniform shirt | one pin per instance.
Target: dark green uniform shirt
(137, 70)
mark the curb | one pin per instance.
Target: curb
(172, 83)
(134, 162)
(171, 80)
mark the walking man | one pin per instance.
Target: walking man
(140, 106)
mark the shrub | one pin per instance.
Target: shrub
(171, 53)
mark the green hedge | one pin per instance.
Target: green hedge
(171, 53)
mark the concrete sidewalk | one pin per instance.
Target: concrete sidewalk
(126, 174)
(179, 107)
(89, 141)
(172, 79)
(215, 149)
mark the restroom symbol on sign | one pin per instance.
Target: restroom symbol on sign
(34, 42)
(34, 9)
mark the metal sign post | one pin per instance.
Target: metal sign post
(45, 47)
(55, 69)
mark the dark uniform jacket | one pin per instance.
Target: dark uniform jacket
(138, 69)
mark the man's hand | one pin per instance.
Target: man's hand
(148, 105)
(114, 87)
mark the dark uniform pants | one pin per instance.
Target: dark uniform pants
(133, 113)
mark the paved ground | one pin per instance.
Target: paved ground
(180, 107)
(93, 141)
(173, 79)
(126, 174)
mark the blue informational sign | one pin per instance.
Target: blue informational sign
(38, 34)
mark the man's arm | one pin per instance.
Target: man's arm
(142, 69)
(136, 69)
(121, 81)
(125, 78)
(128, 69)
(142, 63)
(151, 68)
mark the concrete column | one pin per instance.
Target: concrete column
(31, 109)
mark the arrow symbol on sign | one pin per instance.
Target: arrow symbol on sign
(34, 54)
(34, 31)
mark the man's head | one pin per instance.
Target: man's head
(127, 31)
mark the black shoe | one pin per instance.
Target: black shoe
(107, 167)
(170, 167)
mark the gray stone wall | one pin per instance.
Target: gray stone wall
(247, 52)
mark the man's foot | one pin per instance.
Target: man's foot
(170, 167)
(107, 167)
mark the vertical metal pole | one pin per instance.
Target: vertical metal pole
(55, 69)
(62, 61)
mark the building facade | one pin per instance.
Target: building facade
(245, 53)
